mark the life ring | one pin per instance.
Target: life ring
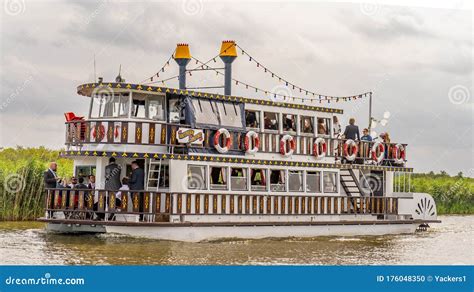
(320, 141)
(355, 149)
(116, 131)
(256, 142)
(398, 153)
(373, 152)
(287, 152)
(228, 141)
(98, 134)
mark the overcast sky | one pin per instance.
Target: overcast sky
(418, 61)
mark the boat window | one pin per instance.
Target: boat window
(148, 107)
(271, 121)
(205, 112)
(197, 177)
(85, 171)
(258, 179)
(238, 179)
(226, 114)
(175, 111)
(323, 126)
(277, 180)
(289, 122)
(110, 105)
(307, 124)
(124, 106)
(313, 181)
(252, 119)
(330, 182)
(218, 178)
(156, 109)
(295, 180)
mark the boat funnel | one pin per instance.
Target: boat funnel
(182, 56)
(228, 54)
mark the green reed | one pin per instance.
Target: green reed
(22, 196)
(452, 194)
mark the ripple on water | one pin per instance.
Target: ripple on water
(447, 243)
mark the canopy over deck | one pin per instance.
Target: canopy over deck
(89, 89)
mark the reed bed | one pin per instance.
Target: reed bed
(22, 194)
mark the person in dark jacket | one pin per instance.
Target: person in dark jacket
(51, 180)
(352, 131)
(137, 183)
(80, 185)
(112, 175)
(137, 179)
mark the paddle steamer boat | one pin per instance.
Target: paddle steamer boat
(223, 166)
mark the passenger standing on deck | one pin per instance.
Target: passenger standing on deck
(336, 127)
(366, 145)
(51, 180)
(366, 136)
(336, 131)
(352, 131)
(137, 183)
(112, 175)
(91, 184)
(137, 179)
(123, 191)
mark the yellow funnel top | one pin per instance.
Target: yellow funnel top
(182, 52)
(228, 49)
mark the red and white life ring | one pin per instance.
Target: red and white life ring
(317, 143)
(228, 141)
(283, 149)
(255, 141)
(373, 152)
(398, 153)
(100, 134)
(355, 149)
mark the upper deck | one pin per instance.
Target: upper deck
(133, 120)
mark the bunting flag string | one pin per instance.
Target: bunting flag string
(279, 95)
(150, 79)
(309, 95)
(318, 96)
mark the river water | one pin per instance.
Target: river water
(450, 242)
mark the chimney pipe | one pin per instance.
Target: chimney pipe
(182, 57)
(228, 54)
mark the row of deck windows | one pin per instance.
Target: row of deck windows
(289, 122)
(260, 179)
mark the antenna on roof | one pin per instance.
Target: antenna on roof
(94, 69)
(119, 77)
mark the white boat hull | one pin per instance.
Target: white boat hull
(202, 233)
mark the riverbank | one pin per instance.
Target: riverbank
(22, 195)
